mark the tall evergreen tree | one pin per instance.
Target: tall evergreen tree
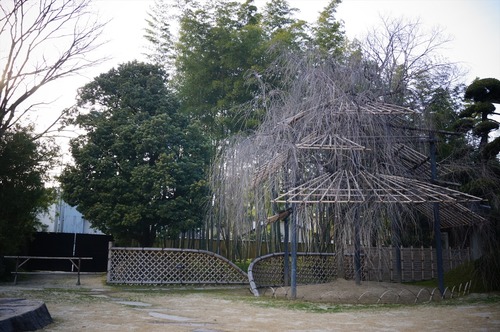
(483, 93)
(216, 49)
(222, 49)
(139, 168)
(24, 163)
(482, 176)
(329, 35)
(159, 34)
(282, 28)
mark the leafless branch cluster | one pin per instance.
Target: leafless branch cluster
(42, 41)
(321, 123)
(404, 55)
(331, 147)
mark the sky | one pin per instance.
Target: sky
(474, 26)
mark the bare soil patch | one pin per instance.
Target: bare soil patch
(95, 306)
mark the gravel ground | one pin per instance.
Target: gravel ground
(95, 306)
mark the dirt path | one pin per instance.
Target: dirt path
(94, 306)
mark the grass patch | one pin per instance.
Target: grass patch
(453, 278)
(243, 264)
(61, 295)
(317, 307)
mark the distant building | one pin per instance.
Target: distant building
(63, 218)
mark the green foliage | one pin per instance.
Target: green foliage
(483, 93)
(487, 271)
(483, 179)
(24, 162)
(328, 34)
(484, 127)
(223, 47)
(139, 168)
(159, 35)
(459, 275)
(214, 53)
(482, 273)
(484, 90)
(479, 108)
(243, 264)
(463, 125)
(491, 150)
(281, 28)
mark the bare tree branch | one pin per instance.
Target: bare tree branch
(404, 55)
(42, 41)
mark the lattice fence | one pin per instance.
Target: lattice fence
(158, 266)
(349, 267)
(312, 268)
(377, 264)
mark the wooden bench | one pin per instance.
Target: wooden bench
(21, 260)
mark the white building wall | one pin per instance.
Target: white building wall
(63, 218)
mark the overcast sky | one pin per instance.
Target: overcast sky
(474, 26)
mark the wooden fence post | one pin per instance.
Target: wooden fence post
(391, 265)
(110, 245)
(422, 261)
(401, 263)
(412, 264)
(380, 272)
(450, 258)
(432, 263)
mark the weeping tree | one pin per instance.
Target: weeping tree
(328, 147)
(351, 167)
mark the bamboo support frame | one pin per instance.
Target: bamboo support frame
(322, 143)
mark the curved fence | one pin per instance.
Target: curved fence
(388, 295)
(424, 295)
(156, 266)
(312, 268)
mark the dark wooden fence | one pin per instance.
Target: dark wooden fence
(68, 245)
(382, 264)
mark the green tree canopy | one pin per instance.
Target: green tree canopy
(484, 178)
(328, 33)
(139, 168)
(216, 49)
(222, 49)
(482, 93)
(24, 162)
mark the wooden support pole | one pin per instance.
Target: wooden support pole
(437, 219)
(79, 265)
(286, 256)
(357, 249)
(396, 242)
(17, 267)
(293, 279)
